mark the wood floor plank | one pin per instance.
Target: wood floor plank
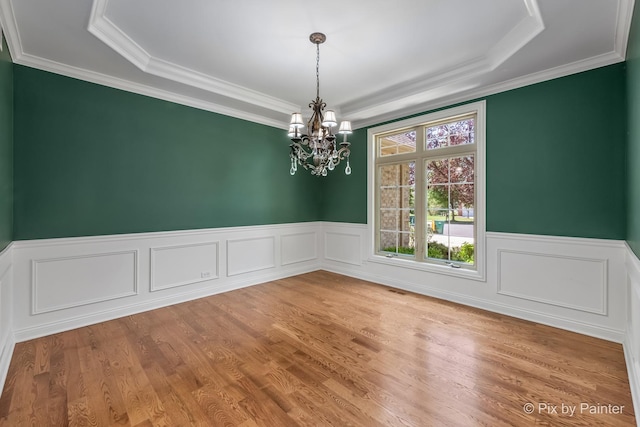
(316, 349)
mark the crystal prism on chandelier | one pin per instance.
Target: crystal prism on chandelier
(318, 151)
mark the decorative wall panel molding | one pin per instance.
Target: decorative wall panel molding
(59, 283)
(180, 265)
(343, 247)
(571, 282)
(250, 254)
(298, 247)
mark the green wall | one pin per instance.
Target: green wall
(633, 149)
(556, 155)
(345, 197)
(6, 147)
(555, 160)
(92, 160)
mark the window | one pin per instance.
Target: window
(426, 182)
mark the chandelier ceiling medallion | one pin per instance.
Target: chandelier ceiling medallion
(317, 151)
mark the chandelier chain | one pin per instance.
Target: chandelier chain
(317, 70)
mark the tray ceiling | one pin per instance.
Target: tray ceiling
(252, 59)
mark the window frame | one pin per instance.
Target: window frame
(479, 110)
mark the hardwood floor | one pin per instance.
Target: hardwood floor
(318, 349)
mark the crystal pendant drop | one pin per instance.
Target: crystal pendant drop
(331, 165)
(347, 170)
(324, 172)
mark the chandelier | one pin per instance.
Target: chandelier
(317, 151)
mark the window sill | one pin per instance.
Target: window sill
(477, 275)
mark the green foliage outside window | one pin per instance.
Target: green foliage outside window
(437, 250)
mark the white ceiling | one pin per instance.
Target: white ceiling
(253, 59)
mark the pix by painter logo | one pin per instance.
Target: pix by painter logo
(571, 410)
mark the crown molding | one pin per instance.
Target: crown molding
(101, 27)
(474, 93)
(117, 83)
(523, 32)
(110, 34)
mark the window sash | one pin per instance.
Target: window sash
(450, 184)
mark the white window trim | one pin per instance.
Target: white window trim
(477, 108)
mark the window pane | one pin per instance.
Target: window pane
(389, 219)
(450, 234)
(396, 196)
(389, 197)
(438, 171)
(404, 142)
(397, 243)
(388, 241)
(407, 196)
(449, 134)
(462, 169)
(437, 250)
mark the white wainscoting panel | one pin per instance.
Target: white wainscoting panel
(180, 265)
(250, 254)
(62, 284)
(571, 282)
(59, 283)
(632, 339)
(343, 247)
(298, 247)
